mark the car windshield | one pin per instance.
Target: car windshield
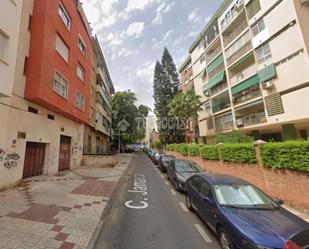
(183, 166)
(243, 196)
(167, 158)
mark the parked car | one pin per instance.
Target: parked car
(298, 241)
(239, 213)
(157, 158)
(178, 171)
(164, 161)
(152, 154)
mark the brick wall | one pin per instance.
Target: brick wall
(291, 186)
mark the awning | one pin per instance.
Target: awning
(246, 84)
(215, 80)
(267, 73)
(218, 61)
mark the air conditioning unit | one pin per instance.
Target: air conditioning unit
(305, 2)
(239, 123)
(267, 85)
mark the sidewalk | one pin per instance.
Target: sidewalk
(58, 212)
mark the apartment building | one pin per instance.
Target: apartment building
(97, 134)
(187, 82)
(250, 65)
(45, 107)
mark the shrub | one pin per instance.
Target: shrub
(158, 145)
(209, 152)
(170, 147)
(193, 150)
(232, 138)
(182, 148)
(238, 153)
(292, 155)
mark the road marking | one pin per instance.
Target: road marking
(167, 183)
(307, 220)
(202, 232)
(173, 192)
(183, 206)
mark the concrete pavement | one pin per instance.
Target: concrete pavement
(58, 212)
(149, 213)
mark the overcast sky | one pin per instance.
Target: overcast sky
(133, 34)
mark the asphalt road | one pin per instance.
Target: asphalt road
(148, 214)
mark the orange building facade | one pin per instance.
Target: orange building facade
(59, 66)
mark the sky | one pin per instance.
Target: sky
(133, 34)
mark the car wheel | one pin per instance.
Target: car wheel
(224, 239)
(188, 203)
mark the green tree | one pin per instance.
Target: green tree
(166, 85)
(186, 105)
(128, 125)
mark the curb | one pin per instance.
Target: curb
(107, 208)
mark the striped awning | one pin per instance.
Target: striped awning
(246, 84)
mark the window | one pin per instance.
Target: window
(25, 66)
(80, 100)
(253, 7)
(202, 59)
(62, 48)
(197, 183)
(64, 16)
(259, 27)
(263, 53)
(207, 107)
(3, 46)
(33, 110)
(80, 72)
(60, 85)
(206, 190)
(51, 117)
(81, 45)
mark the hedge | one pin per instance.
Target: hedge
(182, 148)
(209, 152)
(170, 147)
(292, 155)
(193, 149)
(238, 153)
(234, 137)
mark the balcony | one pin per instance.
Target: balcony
(243, 69)
(224, 122)
(216, 66)
(214, 50)
(232, 15)
(250, 114)
(247, 90)
(221, 102)
(239, 53)
(234, 30)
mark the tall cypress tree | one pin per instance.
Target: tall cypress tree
(166, 85)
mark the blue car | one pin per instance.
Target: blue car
(240, 214)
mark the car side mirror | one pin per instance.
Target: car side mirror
(279, 202)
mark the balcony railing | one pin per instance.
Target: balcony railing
(227, 40)
(251, 119)
(224, 126)
(214, 54)
(240, 52)
(251, 93)
(217, 70)
(218, 88)
(221, 106)
(227, 21)
(243, 74)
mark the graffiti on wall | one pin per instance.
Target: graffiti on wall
(2, 153)
(10, 159)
